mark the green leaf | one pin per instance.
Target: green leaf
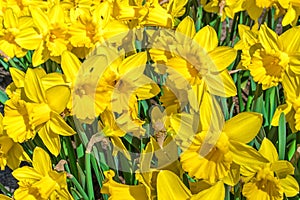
(292, 149)
(3, 97)
(4, 64)
(282, 136)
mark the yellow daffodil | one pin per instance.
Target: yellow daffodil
(271, 179)
(224, 8)
(16, 120)
(41, 113)
(195, 57)
(170, 187)
(291, 108)
(40, 181)
(214, 152)
(272, 55)
(164, 149)
(17, 35)
(110, 129)
(129, 120)
(255, 7)
(248, 38)
(11, 153)
(96, 27)
(126, 10)
(106, 80)
(77, 8)
(53, 31)
(163, 15)
(121, 191)
(293, 11)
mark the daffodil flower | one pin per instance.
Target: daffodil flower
(271, 55)
(152, 12)
(53, 30)
(108, 126)
(170, 187)
(194, 56)
(248, 38)
(17, 34)
(214, 152)
(96, 27)
(292, 13)
(271, 179)
(40, 113)
(40, 181)
(255, 7)
(121, 191)
(106, 80)
(224, 8)
(11, 153)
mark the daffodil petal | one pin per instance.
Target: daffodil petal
(40, 19)
(28, 39)
(292, 35)
(268, 150)
(3, 197)
(33, 87)
(118, 146)
(58, 97)
(295, 62)
(170, 187)
(40, 55)
(246, 155)
(132, 63)
(15, 155)
(216, 191)
(26, 173)
(220, 84)
(17, 76)
(207, 38)
(122, 191)
(289, 16)
(285, 108)
(70, 65)
(52, 79)
(51, 140)
(218, 54)
(290, 186)
(58, 126)
(268, 38)
(282, 168)
(10, 19)
(41, 161)
(186, 29)
(56, 14)
(237, 128)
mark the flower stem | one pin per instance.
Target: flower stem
(80, 189)
(89, 180)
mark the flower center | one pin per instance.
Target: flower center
(9, 35)
(272, 65)
(266, 182)
(38, 114)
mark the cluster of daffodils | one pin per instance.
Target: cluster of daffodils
(146, 100)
